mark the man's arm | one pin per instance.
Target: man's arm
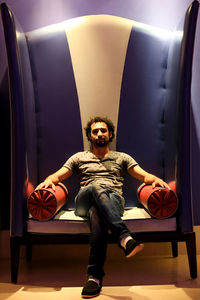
(140, 174)
(62, 174)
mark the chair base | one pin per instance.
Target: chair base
(33, 239)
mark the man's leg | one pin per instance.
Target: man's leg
(98, 249)
(85, 207)
(98, 244)
(104, 209)
(109, 205)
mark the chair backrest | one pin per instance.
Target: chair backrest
(63, 74)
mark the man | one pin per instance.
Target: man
(100, 197)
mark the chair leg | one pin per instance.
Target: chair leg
(174, 249)
(14, 254)
(191, 252)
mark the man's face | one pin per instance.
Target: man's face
(100, 135)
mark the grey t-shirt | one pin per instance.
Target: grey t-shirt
(108, 172)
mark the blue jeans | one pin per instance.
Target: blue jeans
(104, 209)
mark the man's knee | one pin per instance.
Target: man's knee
(83, 202)
(85, 199)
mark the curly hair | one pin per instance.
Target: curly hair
(109, 123)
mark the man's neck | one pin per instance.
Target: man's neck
(100, 152)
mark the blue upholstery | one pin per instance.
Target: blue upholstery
(49, 103)
(21, 72)
(56, 103)
(142, 103)
(152, 119)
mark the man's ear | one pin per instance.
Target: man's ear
(110, 135)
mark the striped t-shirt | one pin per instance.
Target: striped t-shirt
(108, 172)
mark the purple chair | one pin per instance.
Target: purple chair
(137, 75)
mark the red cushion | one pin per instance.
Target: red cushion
(161, 203)
(43, 204)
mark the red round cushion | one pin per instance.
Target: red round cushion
(43, 204)
(161, 203)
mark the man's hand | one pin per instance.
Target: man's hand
(56, 177)
(155, 181)
(46, 183)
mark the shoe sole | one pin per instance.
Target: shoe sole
(90, 296)
(137, 249)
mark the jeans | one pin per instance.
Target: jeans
(104, 209)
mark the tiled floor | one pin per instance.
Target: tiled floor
(59, 273)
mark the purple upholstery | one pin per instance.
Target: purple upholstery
(56, 103)
(47, 113)
(46, 125)
(143, 103)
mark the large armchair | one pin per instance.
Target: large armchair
(137, 75)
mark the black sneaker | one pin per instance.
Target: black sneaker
(91, 289)
(132, 248)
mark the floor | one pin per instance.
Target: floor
(59, 273)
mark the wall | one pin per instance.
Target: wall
(33, 14)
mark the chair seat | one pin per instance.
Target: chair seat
(66, 222)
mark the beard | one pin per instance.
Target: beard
(99, 142)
